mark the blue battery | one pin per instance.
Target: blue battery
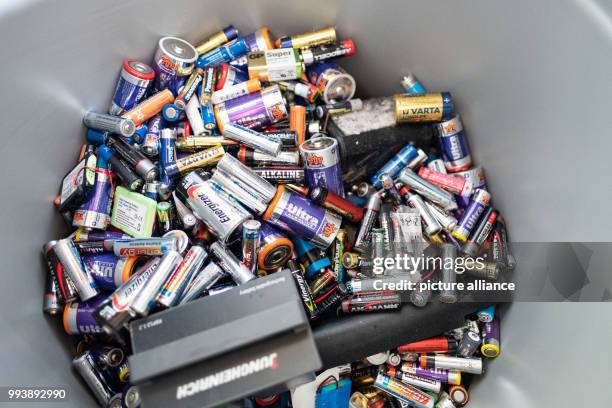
(396, 164)
(305, 249)
(97, 137)
(140, 133)
(132, 86)
(225, 53)
(208, 117)
(453, 145)
(167, 153)
(412, 85)
(486, 315)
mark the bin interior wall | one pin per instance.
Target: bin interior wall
(526, 77)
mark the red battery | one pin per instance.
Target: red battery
(432, 345)
(334, 202)
(448, 182)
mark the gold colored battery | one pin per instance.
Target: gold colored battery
(322, 36)
(201, 142)
(197, 160)
(212, 42)
(419, 107)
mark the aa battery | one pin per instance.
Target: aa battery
(177, 282)
(151, 140)
(309, 39)
(307, 301)
(282, 174)
(296, 214)
(236, 91)
(237, 192)
(247, 177)
(491, 340)
(478, 203)
(251, 138)
(352, 260)
(426, 189)
(73, 266)
(412, 85)
(334, 202)
(396, 164)
(471, 365)
(227, 75)
(66, 290)
(112, 314)
(228, 262)
(447, 221)
(109, 123)
(274, 248)
(217, 39)
(256, 158)
(440, 344)
(202, 142)
(420, 296)
(481, 232)
(187, 218)
(323, 111)
(145, 299)
(322, 52)
(134, 81)
(430, 107)
(330, 300)
(445, 376)
(108, 270)
(144, 246)
(250, 244)
(338, 255)
(189, 89)
(450, 183)
(143, 166)
(369, 218)
(372, 302)
(222, 217)
(449, 278)
(150, 107)
(95, 211)
(322, 161)
(469, 344)
(404, 392)
(423, 383)
(432, 226)
(200, 159)
(201, 282)
(453, 145)
(259, 40)
(174, 59)
(52, 296)
(225, 53)
(127, 176)
(86, 366)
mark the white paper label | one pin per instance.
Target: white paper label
(281, 65)
(72, 181)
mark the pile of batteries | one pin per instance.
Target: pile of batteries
(213, 167)
(427, 373)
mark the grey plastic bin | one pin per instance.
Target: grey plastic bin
(531, 80)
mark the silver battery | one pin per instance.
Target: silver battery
(145, 299)
(188, 220)
(449, 277)
(192, 110)
(447, 221)
(239, 193)
(431, 192)
(472, 365)
(285, 157)
(109, 123)
(232, 266)
(250, 244)
(437, 165)
(261, 188)
(177, 282)
(421, 382)
(432, 226)
(86, 366)
(73, 266)
(365, 230)
(182, 239)
(252, 139)
(221, 216)
(421, 157)
(144, 246)
(201, 282)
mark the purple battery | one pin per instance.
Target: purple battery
(173, 61)
(491, 339)
(438, 374)
(95, 211)
(322, 161)
(108, 270)
(254, 111)
(134, 82)
(454, 145)
(296, 214)
(90, 236)
(78, 317)
(478, 203)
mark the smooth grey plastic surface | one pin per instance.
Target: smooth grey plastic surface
(530, 79)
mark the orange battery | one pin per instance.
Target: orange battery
(432, 345)
(149, 107)
(235, 91)
(297, 122)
